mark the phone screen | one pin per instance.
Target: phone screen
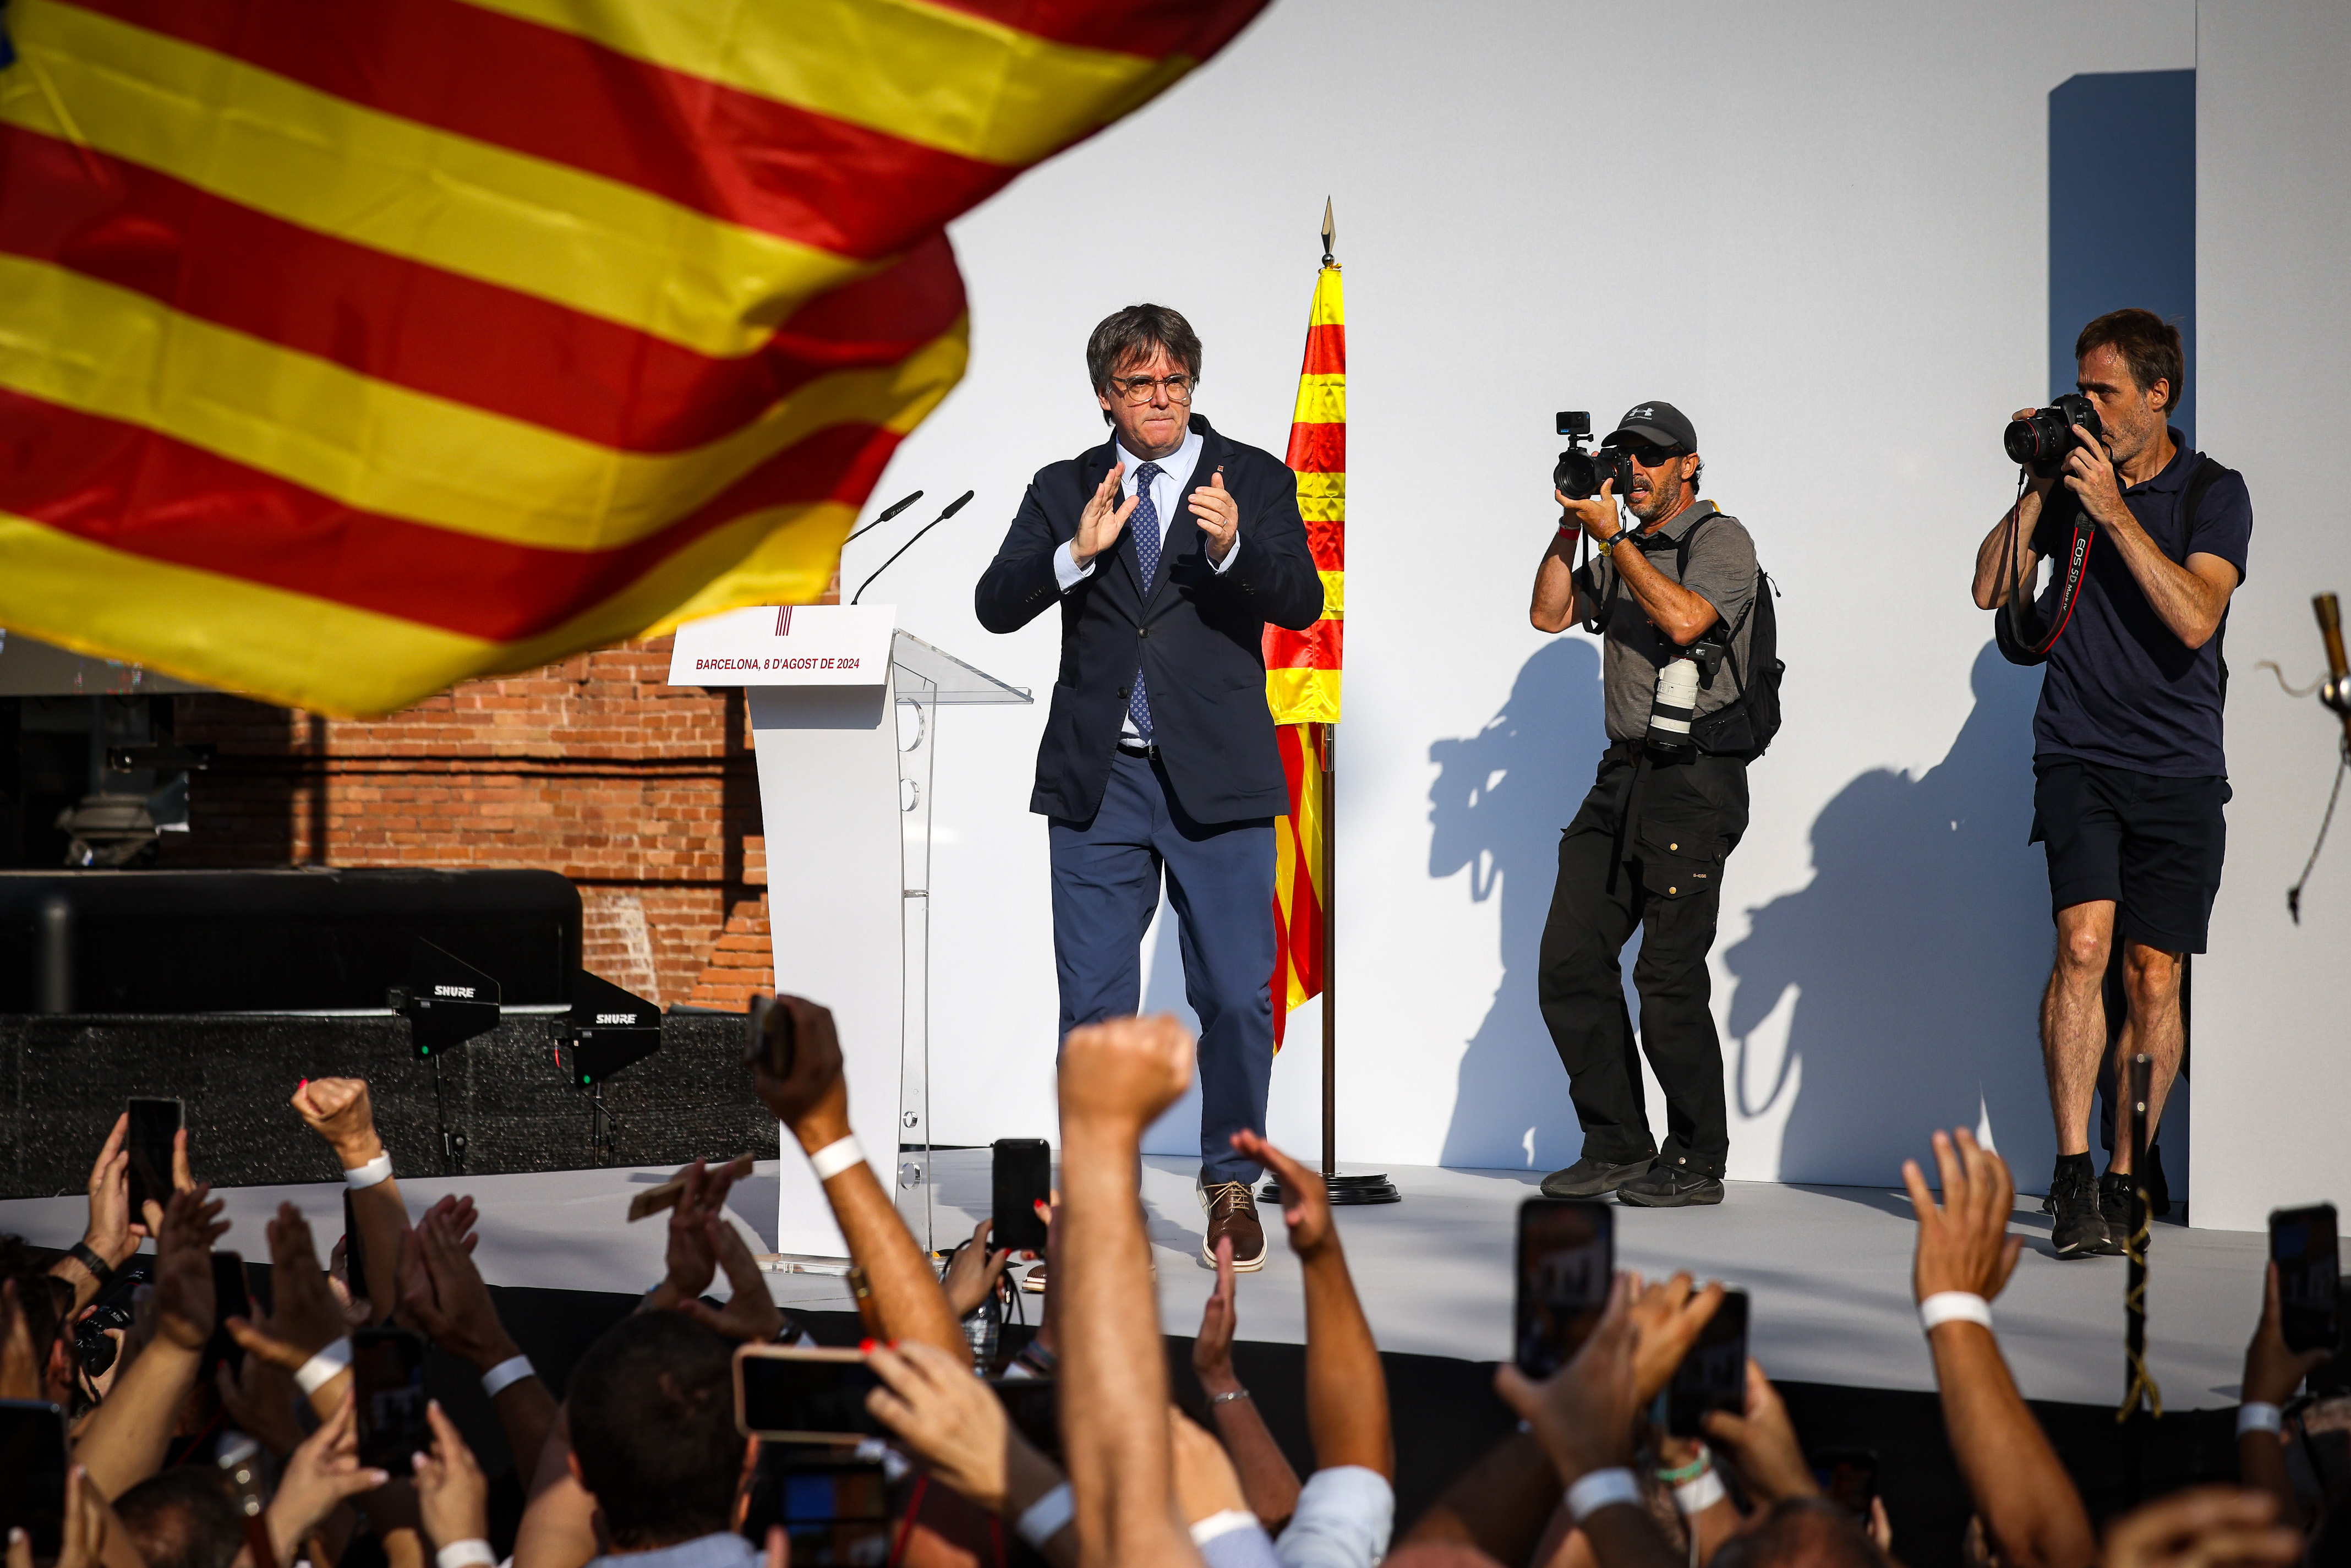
(835, 1508)
(230, 1300)
(1033, 1406)
(1567, 1257)
(1024, 1178)
(2303, 1246)
(154, 1125)
(1849, 1476)
(388, 1370)
(804, 1396)
(33, 1472)
(1713, 1376)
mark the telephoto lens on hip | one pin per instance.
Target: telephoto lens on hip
(1581, 470)
(2042, 440)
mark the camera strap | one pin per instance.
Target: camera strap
(2020, 643)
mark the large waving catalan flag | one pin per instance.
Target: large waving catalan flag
(1301, 668)
(351, 348)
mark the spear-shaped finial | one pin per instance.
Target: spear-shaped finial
(1329, 232)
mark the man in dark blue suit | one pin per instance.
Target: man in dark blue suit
(1167, 549)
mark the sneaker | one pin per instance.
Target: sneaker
(1670, 1184)
(1592, 1176)
(2078, 1230)
(1033, 1281)
(2114, 1207)
(1232, 1211)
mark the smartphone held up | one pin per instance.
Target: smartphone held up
(1566, 1262)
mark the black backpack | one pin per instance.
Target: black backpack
(1743, 726)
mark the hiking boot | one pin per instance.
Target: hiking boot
(2115, 1209)
(2077, 1228)
(1592, 1176)
(1671, 1184)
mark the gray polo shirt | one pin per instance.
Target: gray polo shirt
(1721, 571)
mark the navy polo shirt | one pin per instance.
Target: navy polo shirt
(2120, 688)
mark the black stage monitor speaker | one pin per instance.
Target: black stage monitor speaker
(609, 1030)
(274, 941)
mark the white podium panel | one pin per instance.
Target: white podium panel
(843, 712)
(829, 800)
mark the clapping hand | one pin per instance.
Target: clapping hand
(1219, 513)
(1104, 516)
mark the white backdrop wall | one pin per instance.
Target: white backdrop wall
(2273, 226)
(1822, 230)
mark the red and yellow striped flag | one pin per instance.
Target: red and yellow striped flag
(1301, 668)
(349, 350)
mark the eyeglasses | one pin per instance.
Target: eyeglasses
(1137, 390)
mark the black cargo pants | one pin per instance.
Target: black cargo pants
(1647, 849)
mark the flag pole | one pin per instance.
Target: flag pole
(1343, 1189)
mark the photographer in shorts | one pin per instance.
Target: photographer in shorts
(2148, 540)
(1649, 846)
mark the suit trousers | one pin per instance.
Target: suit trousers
(1647, 849)
(1106, 878)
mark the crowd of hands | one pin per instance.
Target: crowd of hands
(1147, 1484)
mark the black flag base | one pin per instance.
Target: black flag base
(1345, 1190)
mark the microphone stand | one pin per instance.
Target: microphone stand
(953, 507)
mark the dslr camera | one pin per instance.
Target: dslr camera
(1583, 469)
(2042, 439)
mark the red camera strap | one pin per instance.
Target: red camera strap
(2077, 566)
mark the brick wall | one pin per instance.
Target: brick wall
(643, 793)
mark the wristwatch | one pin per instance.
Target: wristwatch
(81, 1253)
(1602, 547)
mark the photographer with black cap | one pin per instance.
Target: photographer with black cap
(2148, 540)
(1673, 593)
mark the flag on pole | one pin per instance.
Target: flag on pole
(347, 351)
(1301, 668)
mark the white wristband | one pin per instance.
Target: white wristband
(1953, 1307)
(2254, 1416)
(361, 1177)
(1046, 1516)
(1222, 1522)
(1694, 1498)
(1601, 1489)
(836, 1157)
(466, 1554)
(505, 1375)
(325, 1367)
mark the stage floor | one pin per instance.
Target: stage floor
(1828, 1268)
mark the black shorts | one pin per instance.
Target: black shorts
(2151, 845)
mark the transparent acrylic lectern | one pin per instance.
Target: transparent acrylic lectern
(923, 680)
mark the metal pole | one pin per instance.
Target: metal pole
(1330, 957)
(2142, 1400)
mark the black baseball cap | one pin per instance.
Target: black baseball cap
(1661, 423)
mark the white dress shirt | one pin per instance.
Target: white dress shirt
(1167, 492)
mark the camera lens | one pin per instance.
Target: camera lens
(2039, 437)
(1575, 478)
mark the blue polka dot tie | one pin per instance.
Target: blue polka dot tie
(1144, 526)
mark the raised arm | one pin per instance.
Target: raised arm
(338, 1111)
(442, 1293)
(2021, 1492)
(2272, 1373)
(1346, 1388)
(109, 1235)
(126, 1440)
(813, 1102)
(1115, 1078)
(1266, 1478)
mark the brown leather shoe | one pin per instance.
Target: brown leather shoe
(1232, 1211)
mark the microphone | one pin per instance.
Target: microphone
(888, 512)
(953, 507)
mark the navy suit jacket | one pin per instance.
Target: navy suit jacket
(1199, 639)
